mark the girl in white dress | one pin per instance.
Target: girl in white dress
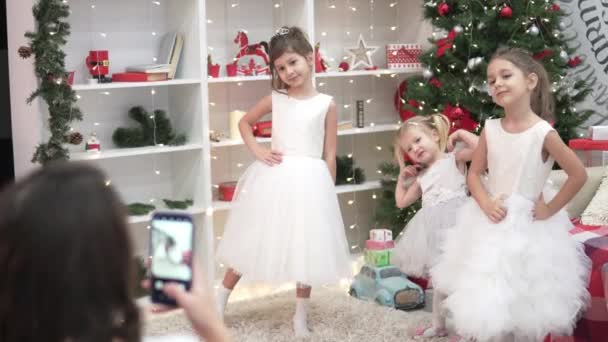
(286, 225)
(509, 268)
(442, 186)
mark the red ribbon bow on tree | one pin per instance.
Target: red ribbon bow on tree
(460, 118)
(445, 44)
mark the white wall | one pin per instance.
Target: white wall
(26, 125)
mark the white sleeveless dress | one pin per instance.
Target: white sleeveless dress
(519, 276)
(443, 193)
(285, 224)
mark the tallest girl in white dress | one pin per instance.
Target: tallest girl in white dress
(509, 268)
(286, 225)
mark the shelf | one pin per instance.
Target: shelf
(377, 72)
(371, 185)
(233, 79)
(148, 217)
(369, 129)
(340, 189)
(349, 131)
(131, 152)
(122, 85)
(236, 142)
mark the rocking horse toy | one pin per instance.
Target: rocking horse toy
(251, 59)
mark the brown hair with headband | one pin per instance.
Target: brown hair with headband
(438, 123)
(287, 39)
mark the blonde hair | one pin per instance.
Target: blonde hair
(541, 101)
(438, 123)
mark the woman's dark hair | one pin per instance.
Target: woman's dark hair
(65, 259)
(287, 39)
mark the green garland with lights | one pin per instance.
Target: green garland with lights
(46, 42)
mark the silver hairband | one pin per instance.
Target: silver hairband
(283, 31)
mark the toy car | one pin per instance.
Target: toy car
(387, 286)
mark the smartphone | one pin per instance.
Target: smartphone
(171, 252)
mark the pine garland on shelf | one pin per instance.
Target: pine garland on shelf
(171, 204)
(154, 130)
(46, 43)
(138, 208)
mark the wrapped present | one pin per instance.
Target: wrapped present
(380, 235)
(598, 132)
(226, 191)
(403, 56)
(378, 258)
(379, 245)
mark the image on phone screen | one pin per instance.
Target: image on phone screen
(171, 248)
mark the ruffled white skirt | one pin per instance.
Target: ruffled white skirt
(519, 276)
(418, 248)
(286, 225)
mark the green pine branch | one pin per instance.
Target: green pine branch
(46, 44)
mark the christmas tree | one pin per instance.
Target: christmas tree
(453, 80)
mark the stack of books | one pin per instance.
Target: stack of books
(170, 51)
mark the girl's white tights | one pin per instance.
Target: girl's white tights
(300, 319)
(222, 299)
(437, 315)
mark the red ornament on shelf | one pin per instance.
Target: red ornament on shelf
(344, 66)
(443, 9)
(263, 129)
(226, 191)
(506, 12)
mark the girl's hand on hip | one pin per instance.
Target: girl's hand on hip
(268, 157)
(541, 210)
(495, 209)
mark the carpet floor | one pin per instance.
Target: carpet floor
(333, 316)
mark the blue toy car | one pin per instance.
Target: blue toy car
(387, 286)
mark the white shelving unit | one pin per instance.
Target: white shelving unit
(195, 103)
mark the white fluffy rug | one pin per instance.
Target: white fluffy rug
(333, 316)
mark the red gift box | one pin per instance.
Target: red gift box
(226, 191)
(262, 129)
(379, 245)
(403, 56)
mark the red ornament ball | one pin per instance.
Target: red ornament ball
(343, 66)
(443, 9)
(506, 12)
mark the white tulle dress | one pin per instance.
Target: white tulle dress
(443, 193)
(520, 276)
(286, 225)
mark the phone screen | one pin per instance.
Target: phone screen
(171, 248)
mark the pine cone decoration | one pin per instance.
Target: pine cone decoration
(25, 51)
(74, 138)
